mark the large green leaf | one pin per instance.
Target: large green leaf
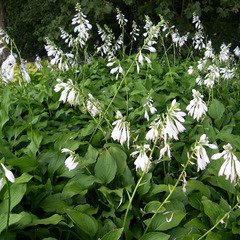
(120, 157)
(113, 235)
(166, 221)
(216, 109)
(106, 167)
(14, 218)
(155, 236)
(212, 209)
(17, 192)
(86, 223)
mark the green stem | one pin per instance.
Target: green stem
(9, 209)
(169, 195)
(206, 233)
(138, 183)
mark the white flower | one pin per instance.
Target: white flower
(201, 64)
(24, 71)
(174, 118)
(199, 81)
(93, 105)
(135, 31)
(82, 26)
(153, 133)
(197, 107)
(224, 53)
(8, 174)
(198, 40)
(70, 93)
(209, 50)
(38, 63)
(165, 149)
(231, 165)
(8, 68)
(149, 106)
(120, 132)
(66, 150)
(142, 161)
(196, 20)
(1, 184)
(190, 70)
(70, 161)
(121, 18)
(237, 51)
(227, 73)
(201, 153)
(70, 164)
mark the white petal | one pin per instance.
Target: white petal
(9, 175)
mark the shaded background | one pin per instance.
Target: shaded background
(30, 21)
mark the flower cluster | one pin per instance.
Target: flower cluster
(93, 105)
(174, 120)
(201, 153)
(82, 26)
(70, 93)
(197, 107)
(231, 165)
(120, 132)
(142, 161)
(58, 56)
(148, 106)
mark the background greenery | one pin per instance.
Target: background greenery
(30, 21)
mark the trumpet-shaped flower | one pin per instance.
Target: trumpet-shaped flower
(237, 51)
(201, 153)
(93, 105)
(149, 106)
(197, 107)
(174, 120)
(142, 161)
(70, 161)
(153, 133)
(1, 184)
(120, 132)
(70, 93)
(8, 174)
(231, 165)
(8, 68)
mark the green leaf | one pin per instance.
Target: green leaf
(155, 236)
(106, 167)
(14, 218)
(91, 155)
(25, 163)
(120, 157)
(152, 207)
(212, 210)
(230, 138)
(36, 139)
(163, 222)
(113, 235)
(17, 192)
(216, 109)
(213, 236)
(86, 223)
(54, 220)
(54, 203)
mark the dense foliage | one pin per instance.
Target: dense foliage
(144, 146)
(37, 19)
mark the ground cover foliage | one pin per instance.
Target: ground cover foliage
(115, 146)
